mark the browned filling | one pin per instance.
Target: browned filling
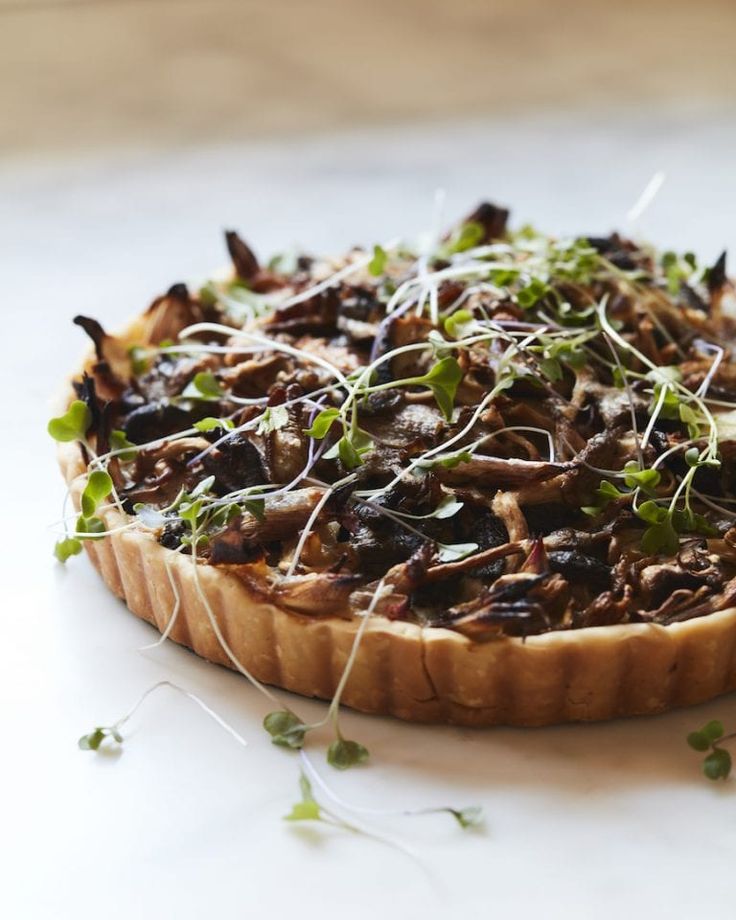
(569, 482)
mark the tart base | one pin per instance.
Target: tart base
(411, 672)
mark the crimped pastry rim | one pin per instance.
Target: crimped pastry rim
(419, 673)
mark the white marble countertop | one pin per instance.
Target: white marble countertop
(597, 820)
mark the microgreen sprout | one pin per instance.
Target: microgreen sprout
(69, 546)
(95, 738)
(73, 424)
(273, 419)
(285, 728)
(717, 763)
(121, 447)
(212, 424)
(466, 237)
(204, 385)
(343, 753)
(377, 264)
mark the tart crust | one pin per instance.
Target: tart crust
(416, 673)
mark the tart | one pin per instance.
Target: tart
(488, 481)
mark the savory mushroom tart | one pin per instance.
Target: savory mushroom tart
(493, 477)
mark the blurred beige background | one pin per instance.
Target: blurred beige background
(81, 74)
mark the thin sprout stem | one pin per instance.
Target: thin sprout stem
(191, 696)
(218, 632)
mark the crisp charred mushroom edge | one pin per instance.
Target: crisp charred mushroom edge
(406, 668)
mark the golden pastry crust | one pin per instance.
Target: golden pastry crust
(415, 673)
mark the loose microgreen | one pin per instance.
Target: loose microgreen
(661, 535)
(679, 270)
(125, 450)
(256, 507)
(67, 547)
(273, 419)
(573, 260)
(717, 763)
(457, 325)
(204, 386)
(91, 528)
(308, 809)
(73, 425)
(95, 738)
(472, 816)
(450, 461)
(350, 449)
(532, 292)
(285, 729)
(377, 264)
(343, 754)
(464, 237)
(322, 423)
(443, 379)
(554, 352)
(645, 479)
(447, 508)
(453, 552)
(211, 424)
(606, 492)
(99, 486)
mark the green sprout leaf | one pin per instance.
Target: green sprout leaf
(211, 424)
(94, 739)
(467, 236)
(452, 460)
(73, 425)
(660, 538)
(308, 808)
(646, 480)
(285, 729)
(447, 508)
(322, 423)
(690, 418)
(99, 486)
(119, 442)
(256, 507)
(90, 528)
(606, 492)
(456, 324)
(350, 449)
(551, 368)
(342, 753)
(698, 741)
(443, 379)
(713, 730)
(453, 552)
(204, 386)
(472, 816)
(273, 419)
(532, 293)
(377, 264)
(304, 811)
(66, 548)
(670, 408)
(717, 765)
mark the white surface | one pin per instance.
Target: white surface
(581, 821)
